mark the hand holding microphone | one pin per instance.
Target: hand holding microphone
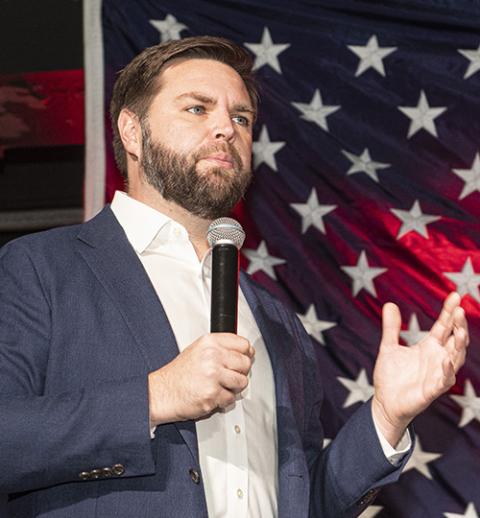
(210, 372)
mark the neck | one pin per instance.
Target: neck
(196, 227)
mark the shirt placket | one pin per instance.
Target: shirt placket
(237, 466)
(235, 439)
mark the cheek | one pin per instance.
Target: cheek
(245, 151)
(177, 135)
(247, 162)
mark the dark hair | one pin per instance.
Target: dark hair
(137, 84)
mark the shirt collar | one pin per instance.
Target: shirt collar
(140, 222)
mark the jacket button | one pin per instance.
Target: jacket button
(84, 475)
(96, 473)
(118, 469)
(368, 497)
(195, 476)
(107, 472)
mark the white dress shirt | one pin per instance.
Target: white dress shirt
(237, 446)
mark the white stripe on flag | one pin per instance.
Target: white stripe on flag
(94, 190)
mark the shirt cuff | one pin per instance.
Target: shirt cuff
(152, 432)
(394, 455)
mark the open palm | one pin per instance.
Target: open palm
(407, 379)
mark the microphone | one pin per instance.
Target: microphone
(225, 236)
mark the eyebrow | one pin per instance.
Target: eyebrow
(209, 100)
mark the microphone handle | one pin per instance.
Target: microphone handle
(224, 303)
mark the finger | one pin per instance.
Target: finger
(448, 374)
(460, 347)
(458, 340)
(225, 398)
(442, 328)
(391, 324)
(233, 342)
(233, 381)
(460, 322)
(456, 353)
(238, 362)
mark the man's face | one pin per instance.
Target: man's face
(197, 140)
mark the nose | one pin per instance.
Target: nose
(223, 127)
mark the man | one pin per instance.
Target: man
(115, 399)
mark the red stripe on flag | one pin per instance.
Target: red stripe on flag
(42, 109)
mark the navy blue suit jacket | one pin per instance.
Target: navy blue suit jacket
(80, 328)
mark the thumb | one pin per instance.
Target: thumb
(391, 324)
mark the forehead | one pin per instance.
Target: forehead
(206, 75)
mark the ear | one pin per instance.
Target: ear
(130, 133)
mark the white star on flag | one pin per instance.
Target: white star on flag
(312, 212)
(169, 28)
(470, 512)
(364, 164)
(474, 57)
(467, 280)
(316, 111)
(313, 325)
(260, 260)
(371, 56)
(414, 334)
(420, 459)
(470, 404)
(360, 389)
(422, 116)
(363, 275)
(266, 52)
(371, 511)
(414, 220)
(471, 177)
(264, 150)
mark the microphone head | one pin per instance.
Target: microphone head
(225, 231)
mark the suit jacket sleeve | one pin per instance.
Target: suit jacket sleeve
(346, 476)
(49, 438)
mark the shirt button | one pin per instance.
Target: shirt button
(237, 428)
(195, 476)
(239, 493)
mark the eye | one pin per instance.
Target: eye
(196, 110)
(240, 119)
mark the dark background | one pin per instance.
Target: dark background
(40, 187)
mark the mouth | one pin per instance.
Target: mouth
(220, 159)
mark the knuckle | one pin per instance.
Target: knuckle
(207, 406)
(243, 382)
(240, 381)
(244, 343)
(210, 370)
(211, 355)
(244, 368)
(211, 392)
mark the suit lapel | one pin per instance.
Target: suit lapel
(292, 472)
(104, 246)
(271, 338)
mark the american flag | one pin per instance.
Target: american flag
(366, 189)
(41, 109)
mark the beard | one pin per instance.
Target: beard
(210, 194)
